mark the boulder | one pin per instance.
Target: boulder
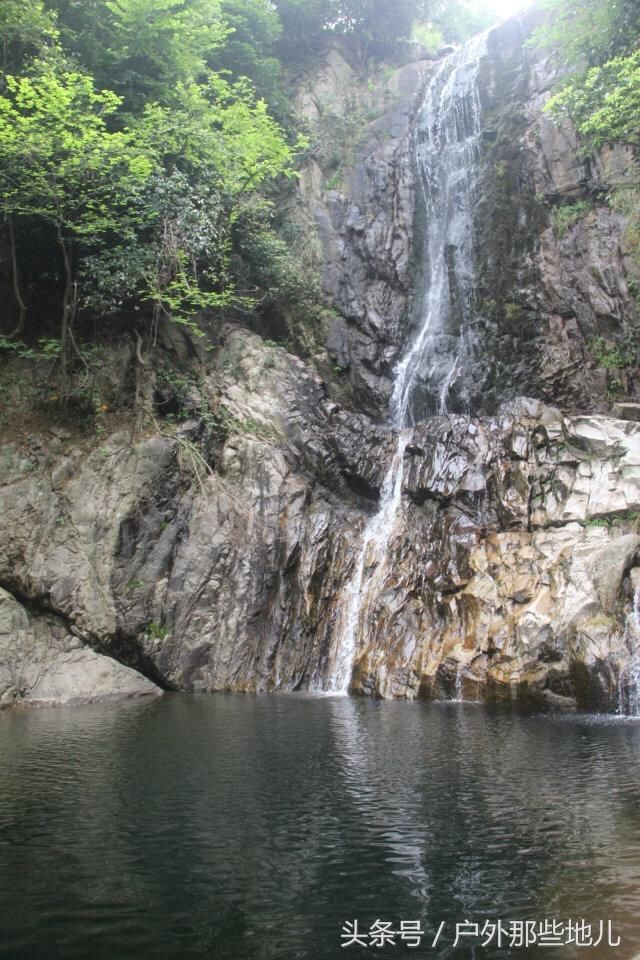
(42, 664)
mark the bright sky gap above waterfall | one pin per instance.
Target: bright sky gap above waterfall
(505, 8)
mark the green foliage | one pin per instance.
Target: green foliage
(26, 28)
(604, 103)
(334, 181)
(600, 42)
(176, 259)
(47, 349)
(376, 26)
(141, 142)
(60, 164)
(427, 36)
(457, 20)
(599, 522)
(620, 519)
(577, 32)
(489, 306)
(614, 388)
(183, 395)
(340, 131)
(591, 32)
(264, 253)
(142, 49)
(272, 255)
(58, 159)
(568, 214)
(136, 175)
(611, 357)
(513, 312)
(260, 429)
(157, 632)
(223, 127)
(250, 49)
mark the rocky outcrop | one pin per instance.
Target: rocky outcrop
(510, 573)
(42, 663)
(554, 310)
(518, 526)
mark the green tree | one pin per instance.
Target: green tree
(221, 144)
(604, 103)
(456, 19)
(250, 49)
(304, 28)
(61, 165)
(221, 127)
(142, 49)
(590, 32)
(26, 27)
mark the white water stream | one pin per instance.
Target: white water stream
(629, 689)
(446, 144)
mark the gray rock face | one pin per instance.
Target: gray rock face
(509, 572)
(364, 224)
(553, 293)
(42, 664)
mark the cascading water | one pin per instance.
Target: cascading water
(629, 693)
(446, 145)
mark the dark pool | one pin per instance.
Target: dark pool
(241, 828)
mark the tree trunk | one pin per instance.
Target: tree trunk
(68, 308)
(16, 281)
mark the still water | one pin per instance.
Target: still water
(237, 828)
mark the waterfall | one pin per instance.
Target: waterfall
(446, 144)
(629, 687)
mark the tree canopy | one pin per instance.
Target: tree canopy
(126, 141)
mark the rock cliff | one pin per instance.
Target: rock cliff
(214, 550)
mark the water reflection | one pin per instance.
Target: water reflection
(242, 828)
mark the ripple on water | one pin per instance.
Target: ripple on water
(241, 828)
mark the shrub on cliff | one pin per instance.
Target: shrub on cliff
(599, 42)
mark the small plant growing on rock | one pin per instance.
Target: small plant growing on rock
(157, 632)
(513, 312)
(566, 216)
(620, 519)
(613, 390)
(611, 357)
(489, 306)
(427, 36)
(626, 200)
(334, 182)
(500, 169)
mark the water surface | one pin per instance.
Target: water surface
(237, 828)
